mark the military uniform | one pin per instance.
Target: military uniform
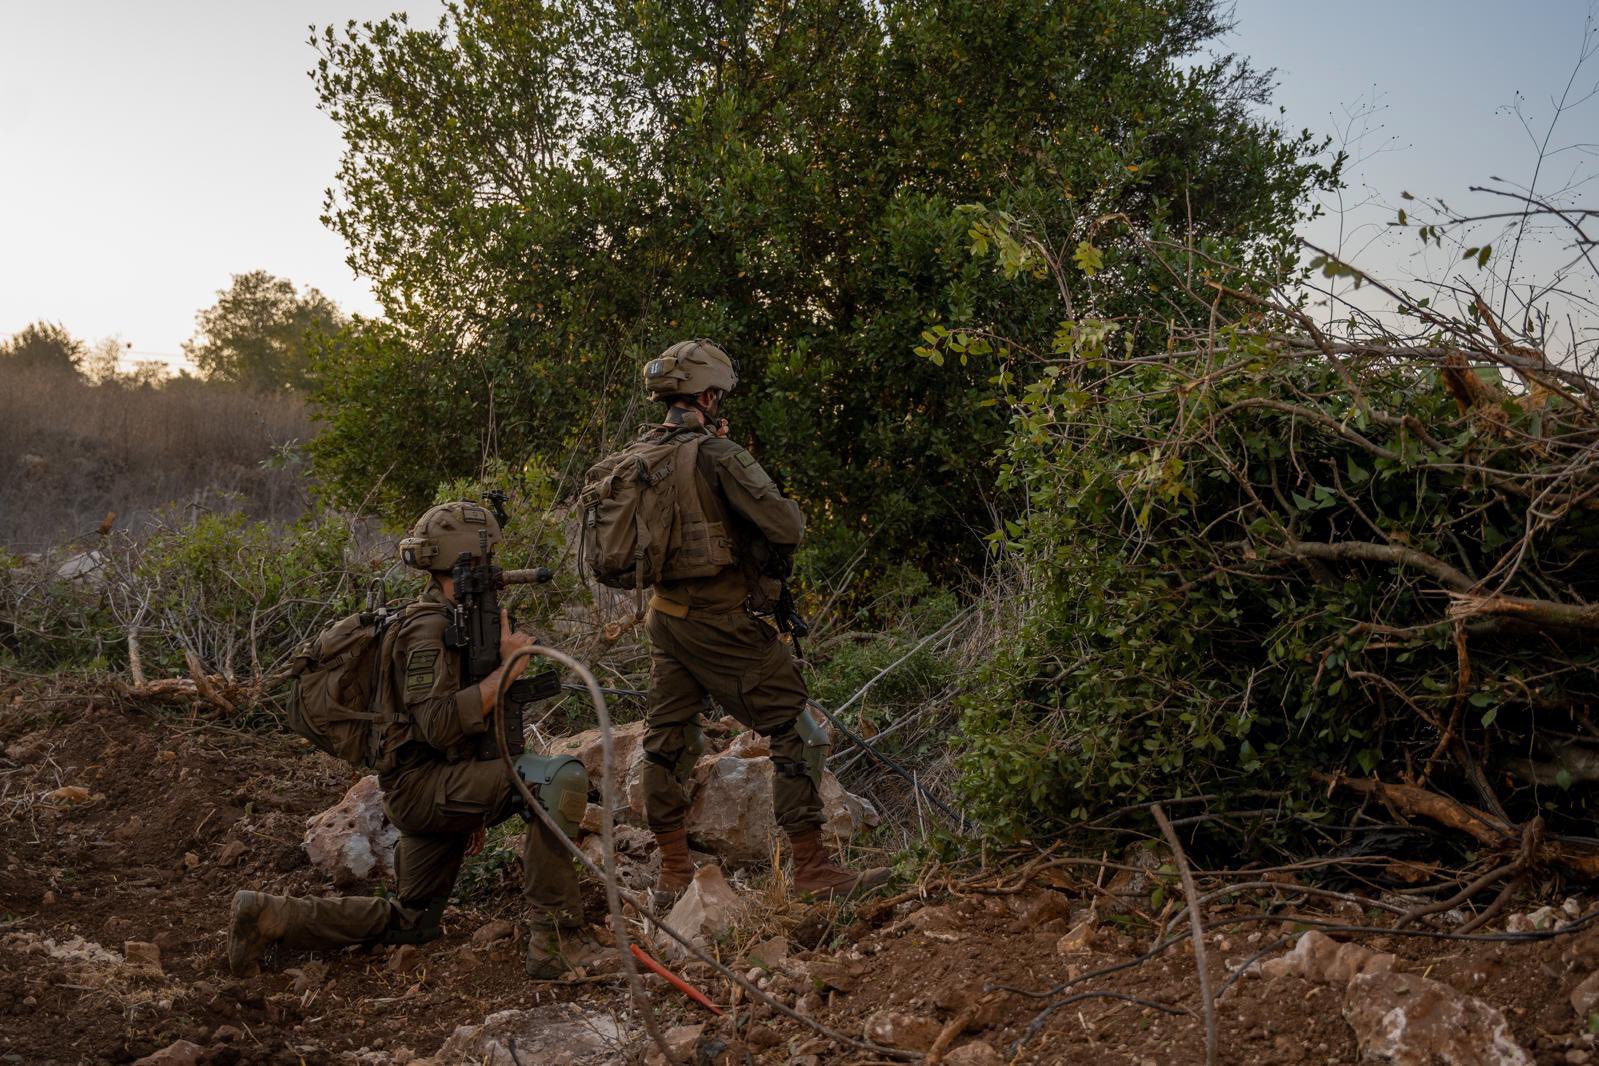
(438, 796)
(705, 641)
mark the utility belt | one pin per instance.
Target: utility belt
(673, 609)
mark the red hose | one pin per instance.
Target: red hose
(677, 982)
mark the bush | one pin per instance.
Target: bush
(1255, 555)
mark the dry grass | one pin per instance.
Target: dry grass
(71, 451)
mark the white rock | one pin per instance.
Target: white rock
(1585, 998)
(707, 908)
(557, 1034)
(731, 810)
(1409, 1020)
(353, 840)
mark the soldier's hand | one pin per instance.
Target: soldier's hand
(512, 642)
(474, 843)
(720, 428)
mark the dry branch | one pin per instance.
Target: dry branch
(1479, 825)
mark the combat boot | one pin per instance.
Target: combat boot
(677, 868)
(553, 951)
(818, 876)
(259, 921)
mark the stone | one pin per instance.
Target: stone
(1410, 1020)
(1585, 998)
(731, 810)
(353, 840)
(899, 1029)
(1318, 957)
(405, 958)
(976, 1053)
(143, 957)
(836, 974)
(555, 1034)
(226, 1034)
(681, 1040)
(181, 1053)
(627, 760)
(492, 933)
(708, 908)
(768, 954)
(1079, 939)
(232, 852)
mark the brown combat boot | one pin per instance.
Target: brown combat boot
(677, 867)
(818, 876)
(259, 921)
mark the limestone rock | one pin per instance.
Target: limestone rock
(181, 1053)
(1410, 1020)
(707, 908)
(976, 1053)
(353, 840)
(1319, 958)
(731, 812)
(844, 814)
(1585, 998)
(492, 933)
(681, 1040)
(1079, 939)
(627, 759)
(897, 1029)
(556, 1034)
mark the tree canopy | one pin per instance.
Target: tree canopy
(45, 345)
(260, 332)
(547, 194)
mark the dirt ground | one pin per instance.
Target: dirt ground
(119, 826)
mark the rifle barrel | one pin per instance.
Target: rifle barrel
(538, 575)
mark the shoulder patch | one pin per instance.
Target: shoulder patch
(747, 459)
(421, 670)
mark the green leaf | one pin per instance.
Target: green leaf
(1089, 260)
(1563, 779)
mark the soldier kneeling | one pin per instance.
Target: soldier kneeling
(435, 790)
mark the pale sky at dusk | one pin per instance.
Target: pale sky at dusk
(152, 149)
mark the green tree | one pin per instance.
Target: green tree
(546, 194)
(260, 332)
(45, 345)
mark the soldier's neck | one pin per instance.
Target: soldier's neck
(684, 416)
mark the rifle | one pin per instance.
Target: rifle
(788, 619)
(474, 631)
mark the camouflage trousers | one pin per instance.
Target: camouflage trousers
(437, 806)
(740, 663)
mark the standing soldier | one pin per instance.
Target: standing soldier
(435, 790)
(706, 637)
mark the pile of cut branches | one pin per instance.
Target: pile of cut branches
(1300, 572)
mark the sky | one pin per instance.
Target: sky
(150, 150)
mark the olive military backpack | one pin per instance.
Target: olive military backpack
(643, 517)
(342, 696)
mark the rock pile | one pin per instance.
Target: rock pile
(1401, 1018)
(730, 812)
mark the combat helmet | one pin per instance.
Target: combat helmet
(444, 532)
(688, 368)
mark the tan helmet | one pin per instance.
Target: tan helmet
(444, 532)
(688, 368)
